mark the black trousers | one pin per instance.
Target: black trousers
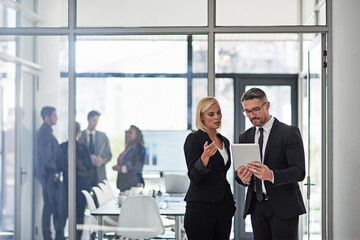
(51, 197)
(80, 206)
(208, 221)
(267, 226)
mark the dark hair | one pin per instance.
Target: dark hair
(254, 93)
(93, 113)
(139, 137)
(77, 127)
(47, 111)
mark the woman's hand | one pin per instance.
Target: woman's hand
(116, 167)
(209, 150)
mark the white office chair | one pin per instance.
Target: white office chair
(107, 220)
(140, 218)
(108, 191)
(90, 201)
(100, 195)
(176, 182)
(91, 205)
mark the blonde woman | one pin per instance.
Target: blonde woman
(210, 204)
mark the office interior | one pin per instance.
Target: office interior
(148, 63)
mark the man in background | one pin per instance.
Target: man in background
(99, 147)
(46, 171)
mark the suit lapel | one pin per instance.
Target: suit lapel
(251, 136)
(97, 143)
(271, 137)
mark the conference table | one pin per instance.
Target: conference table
(169, 205)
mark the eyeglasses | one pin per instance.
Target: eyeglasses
(254, 111)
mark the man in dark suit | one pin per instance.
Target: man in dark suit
(47, 172)
(273, 198)
(99, 147)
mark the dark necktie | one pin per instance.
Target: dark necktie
(91, 144)
(258, 183)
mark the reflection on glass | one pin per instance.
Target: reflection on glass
(137, 13)
(269, 13)
(29, 13)
(132, 54)
(224, 93)
(313, 143)
(199, 87)
(7, 156)
(256, 53)
(145, 83)
(132, 101)
(17, 154)
(200, 55)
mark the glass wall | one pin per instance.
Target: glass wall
(137, 63)
(144, 81)
(270, 13)
(33, 13)
(257, 53)
(29, 82)
(139, 13)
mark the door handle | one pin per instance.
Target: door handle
(308, 184)
(22, 173)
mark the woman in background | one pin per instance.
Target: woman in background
(131, 160)
(210, 204)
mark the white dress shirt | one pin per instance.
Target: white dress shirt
(88, 135)
(224, 153)
(267, 128)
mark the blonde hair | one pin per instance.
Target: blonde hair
(201, 107)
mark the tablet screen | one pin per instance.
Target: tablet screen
(244, 153)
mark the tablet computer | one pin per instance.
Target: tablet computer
(244, 153)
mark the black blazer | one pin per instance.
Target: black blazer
(207, 184)
(284, 155)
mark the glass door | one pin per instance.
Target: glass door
(24, 166)
(7, 150)
(314, 128)
(281, 91)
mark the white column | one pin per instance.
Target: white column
(346, 114)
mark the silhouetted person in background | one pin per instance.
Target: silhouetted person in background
(99, 147)
(84, 168)
(131, 160)
(47, 173)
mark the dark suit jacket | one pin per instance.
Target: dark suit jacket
(207, 184)
(46, 152)
(284, 155)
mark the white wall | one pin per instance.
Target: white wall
(346, 108)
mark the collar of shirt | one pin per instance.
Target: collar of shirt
(267, 127)
(88, 132)
(88, 135)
